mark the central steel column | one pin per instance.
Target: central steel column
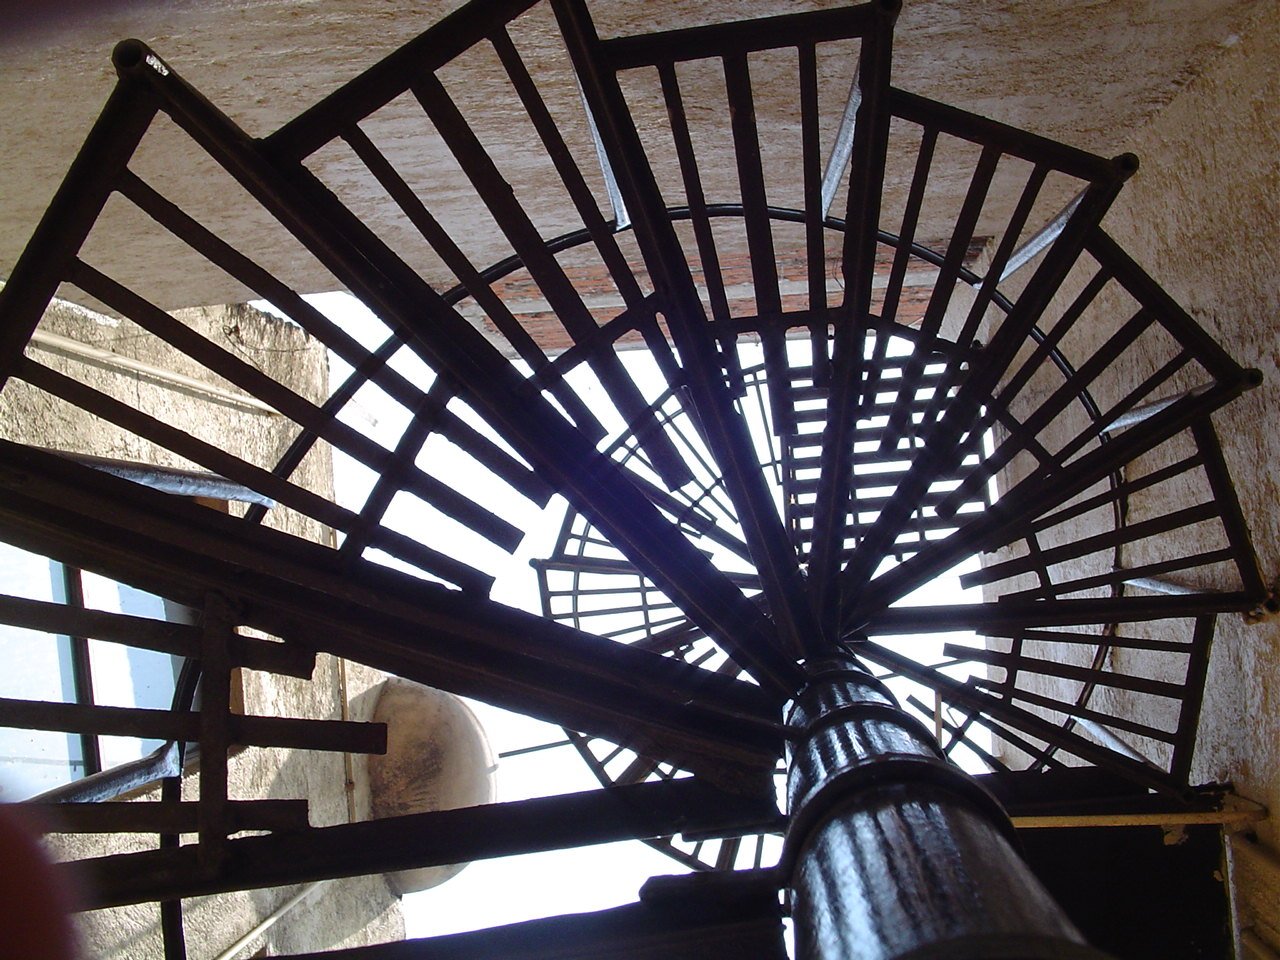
(895, 854)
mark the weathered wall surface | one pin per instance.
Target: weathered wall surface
(1207, 208)
(340, 913)
(1203, 217)
(1205, 212)
(1081, 71)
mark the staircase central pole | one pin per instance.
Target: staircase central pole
(894, 853)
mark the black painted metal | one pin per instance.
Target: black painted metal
(711, 534)
(894, 853)
(423, 839)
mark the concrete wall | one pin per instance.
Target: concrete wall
(341, 913)
(1079, 71)
(1206, 208)
(1203, 216)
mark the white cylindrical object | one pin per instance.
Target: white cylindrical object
(437, 758)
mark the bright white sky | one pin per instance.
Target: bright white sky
(490, 893)
(493, 892)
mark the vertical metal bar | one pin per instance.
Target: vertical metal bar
(1215, 468)
(562, 157)
(868, 149)
(906, 236)
(695, 197)
(1017, 221)
(1150, 294)
(815, 211)
(943, 289)
(215, 732)
(746, 149)
(726, 432)
(1184, 739)
(941, 450)
(470, 280)
(172, 928)
(570, 310)
(1038, 421)
(764, 264)
(81, 671)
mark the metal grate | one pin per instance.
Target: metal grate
(723, 529)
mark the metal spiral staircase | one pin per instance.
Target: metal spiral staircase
(853, 389)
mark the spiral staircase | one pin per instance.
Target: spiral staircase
(798, 396)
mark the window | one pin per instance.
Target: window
(68, 669)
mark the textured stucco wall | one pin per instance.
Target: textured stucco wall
(1082, 71)
(1203, 216)
(342, 913)
(1207, 208)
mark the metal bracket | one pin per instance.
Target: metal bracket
(1269, 608)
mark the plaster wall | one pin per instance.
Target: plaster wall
(1081, 71)
(1203, 216)
(340, 913)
